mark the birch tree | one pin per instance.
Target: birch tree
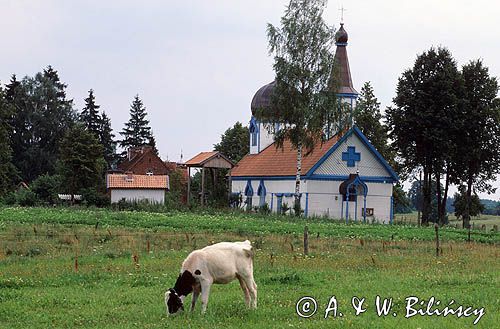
(304, 101)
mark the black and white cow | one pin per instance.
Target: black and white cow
(219, 263)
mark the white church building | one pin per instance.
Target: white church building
(345, 177)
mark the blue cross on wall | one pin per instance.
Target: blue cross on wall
(351, 156)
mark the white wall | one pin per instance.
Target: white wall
(272, 188)
(264, 139)
(323, 198)
(154, 196)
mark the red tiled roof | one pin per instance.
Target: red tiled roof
(280, 162)
(137, 181)
(138, 157)
(201, 157)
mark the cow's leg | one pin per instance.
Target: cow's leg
(252, 288)
(245, 290)
(205, 291)
(196, 293)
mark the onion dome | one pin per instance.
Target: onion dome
(341, 35)
(262, 98)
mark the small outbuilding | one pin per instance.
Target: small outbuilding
(212, 161)
(131, 187)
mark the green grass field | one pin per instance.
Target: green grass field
(487, 220)
(40, 287)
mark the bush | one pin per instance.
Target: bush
(91, 197)
(26, 198)
(9, 199)
(139, 205)
(46, 188)
(264, 209)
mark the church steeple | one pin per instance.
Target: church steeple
(342, 63)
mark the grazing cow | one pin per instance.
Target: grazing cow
(219, 263)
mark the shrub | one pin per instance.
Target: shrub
(91, 197)
(26, 198)
(46, 187)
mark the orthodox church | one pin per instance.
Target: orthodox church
(345, 177)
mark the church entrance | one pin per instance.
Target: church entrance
(350, 189)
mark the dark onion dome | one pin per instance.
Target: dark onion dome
(262, 98)
(341, 35)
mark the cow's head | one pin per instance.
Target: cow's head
(174, 296)
(173, 302)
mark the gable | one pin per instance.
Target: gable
(144, 163)
(351, 154)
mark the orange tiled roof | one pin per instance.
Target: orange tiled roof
(201, 157)
(137, 181)
(280, 162)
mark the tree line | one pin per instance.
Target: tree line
(48, 144)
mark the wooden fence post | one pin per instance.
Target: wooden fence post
(76, 253)
(306, 240)
(436, 228)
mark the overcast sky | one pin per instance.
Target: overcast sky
(196, 64)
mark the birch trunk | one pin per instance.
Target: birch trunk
(297, 181)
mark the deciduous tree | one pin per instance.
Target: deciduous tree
(41, 116)
(304, 100)
(234, 143)
(423, 123)
(479, 140)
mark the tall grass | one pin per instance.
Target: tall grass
(42, 289)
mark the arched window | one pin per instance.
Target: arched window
(254, 131)
(261, 192)
(249, 195)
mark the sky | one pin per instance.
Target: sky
(196, 64)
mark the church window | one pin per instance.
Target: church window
(254, 130)
(261, 192)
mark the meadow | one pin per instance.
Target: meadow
(489, 221)
(67, 268)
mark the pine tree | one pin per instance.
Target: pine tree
(137, 131)
(152, 143)
(7, 170)
(81, 160)
(369, 120)
(106, 138)
(90, 114)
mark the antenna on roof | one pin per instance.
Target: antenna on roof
(181, 156)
